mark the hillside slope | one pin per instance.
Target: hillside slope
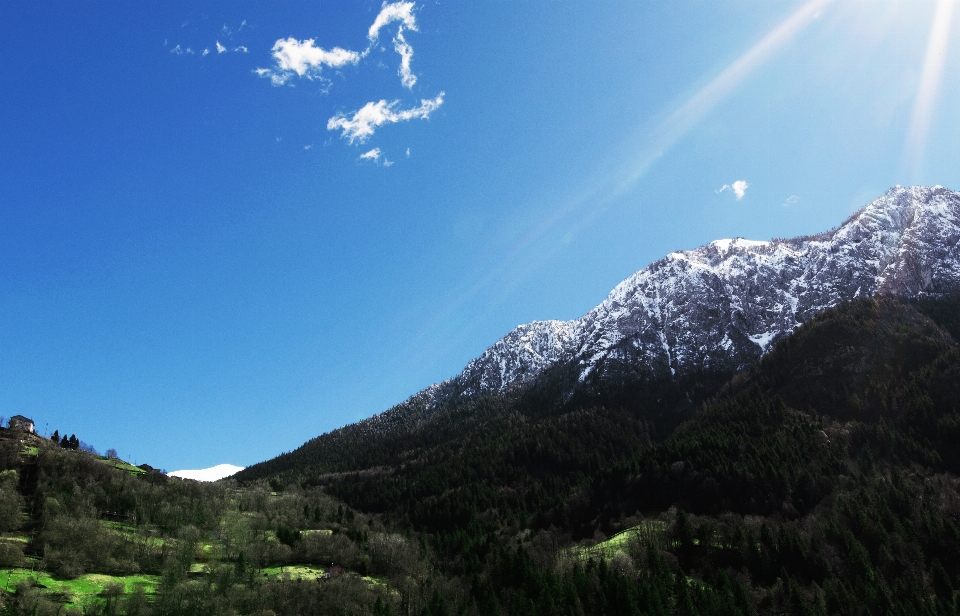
(823, 479)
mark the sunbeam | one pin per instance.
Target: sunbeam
(924, 103)
(687, 115)
(593, 198)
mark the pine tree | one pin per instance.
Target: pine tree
(55, 437)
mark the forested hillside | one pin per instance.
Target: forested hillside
(825, 479)
(861, 398)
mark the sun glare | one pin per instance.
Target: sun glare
(930, 80)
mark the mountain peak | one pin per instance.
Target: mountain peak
(725, 303)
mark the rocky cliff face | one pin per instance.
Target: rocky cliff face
(725, 303)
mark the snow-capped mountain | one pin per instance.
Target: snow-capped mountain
(718, 307)
(725, 303)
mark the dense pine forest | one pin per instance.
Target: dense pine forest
(825, 479)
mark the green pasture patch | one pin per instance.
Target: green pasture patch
(647, 532)
(316, 531)
(295, 572)
(78, 591)
(374, 580)
(89, 586)
(9, 578)
(17, 538)
(129, 531)
(123, 466)
(208, 549)
(29, 450)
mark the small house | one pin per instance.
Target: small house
(333, 572)
(19, 422)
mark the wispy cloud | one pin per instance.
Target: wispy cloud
(376, 155)
(407, 78)
(398, 11)
(373, 155)
(304, 59)
(739, 188)
(363, 123)
(225, 34)
(791, 201)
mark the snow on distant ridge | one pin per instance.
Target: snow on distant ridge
(724, 304)
(727, 302)
(208, 474)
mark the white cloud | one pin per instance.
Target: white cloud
(407, 78)
(791, 200)
(240, 49)
(363, 123)
(398, 11)
(220, 48)
(739, 188)
(373, 155)
(206, 52)
(208, 474)
(304, 59)
(376, 154)
(408, 152)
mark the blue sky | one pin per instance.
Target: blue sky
(199, 265)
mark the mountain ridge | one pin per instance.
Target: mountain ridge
(748, 294)
(715, 309)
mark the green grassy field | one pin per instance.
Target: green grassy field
(647, 532)
(77, 592)
(295, 572)
(123, 466)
